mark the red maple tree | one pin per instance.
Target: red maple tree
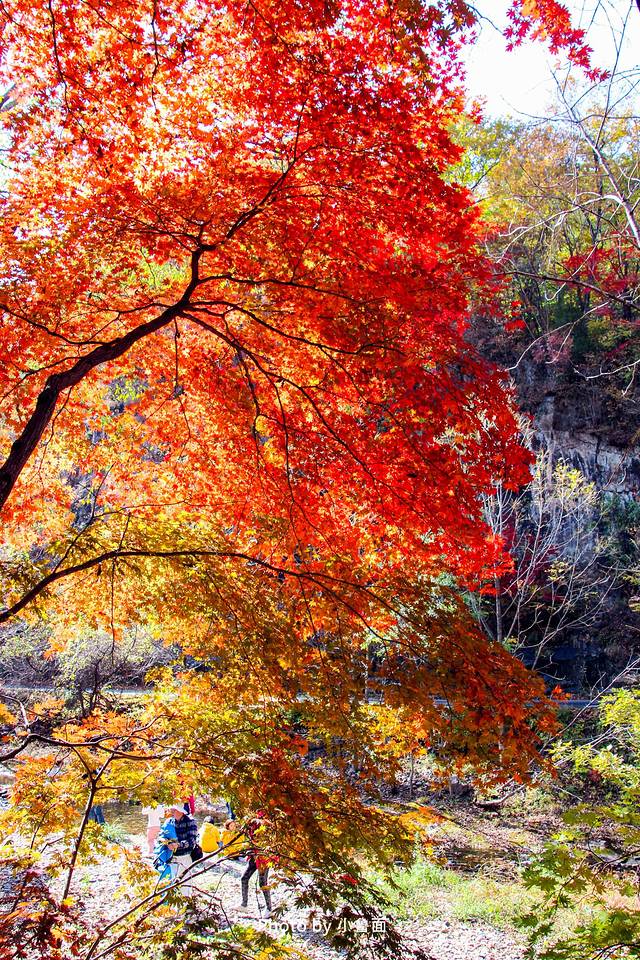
(237, 400)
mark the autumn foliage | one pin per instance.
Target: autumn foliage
(239, 410)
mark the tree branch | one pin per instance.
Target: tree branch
(32, 432)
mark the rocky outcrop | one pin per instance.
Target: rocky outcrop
(579, 413)
(592, 421)
(589, 423)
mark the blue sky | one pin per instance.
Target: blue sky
(520, 83)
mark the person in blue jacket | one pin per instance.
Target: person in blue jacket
(163, 852)
(177, 845)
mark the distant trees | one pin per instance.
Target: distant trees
(560, 195)
(563, 569)
(83, 670)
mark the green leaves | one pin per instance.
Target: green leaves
(590, 864)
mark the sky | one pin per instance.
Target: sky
(519, 83)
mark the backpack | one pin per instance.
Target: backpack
(161, 851)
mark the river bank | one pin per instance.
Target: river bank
(458, 902)
(440, 938)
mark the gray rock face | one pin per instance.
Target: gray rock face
(604, 444)
(592, 422)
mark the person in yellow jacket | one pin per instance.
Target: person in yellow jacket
(224, 838)
(209, 835)
(233, 843)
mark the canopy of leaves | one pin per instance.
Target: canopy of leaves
(240, 412)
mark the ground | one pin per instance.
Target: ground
(443, 939)
(458, 909)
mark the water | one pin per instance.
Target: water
(128, 817)
(464, 859)
(132, 821)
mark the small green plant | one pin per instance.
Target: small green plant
(531, 802)
(114, 833)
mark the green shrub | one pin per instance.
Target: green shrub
(427, 889)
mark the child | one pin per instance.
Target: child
(154, 819)
(165, 846)
(227, 838)
(231, 841)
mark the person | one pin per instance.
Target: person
(256, 860)
(209, 836)
(224, 838)
(154, 819)
(230, 840)
(188, 850)
(165, 846)
(97, 814)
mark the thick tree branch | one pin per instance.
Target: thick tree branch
(122, 554)
(24, 445)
